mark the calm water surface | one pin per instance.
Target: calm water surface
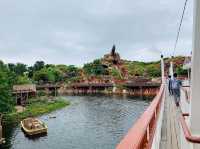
(90, 122)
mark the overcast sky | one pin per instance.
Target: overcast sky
(78, 31)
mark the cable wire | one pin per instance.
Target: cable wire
(179, 28)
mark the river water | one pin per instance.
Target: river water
(90, 122)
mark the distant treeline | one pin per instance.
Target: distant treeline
(40, 72)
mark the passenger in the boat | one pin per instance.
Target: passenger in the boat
(176, 86)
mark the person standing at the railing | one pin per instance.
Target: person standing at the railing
(170, 85)
(176, 87)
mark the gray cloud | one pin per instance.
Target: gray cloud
(75, 32)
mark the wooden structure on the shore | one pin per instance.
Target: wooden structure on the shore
(97, 85)
(142, 88)
(22, 93)
(48, 88)
(2, 140)
(90, 87)
(132, 88)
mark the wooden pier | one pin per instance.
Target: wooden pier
(130, 88)
(48, 88)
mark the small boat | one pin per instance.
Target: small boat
(33, 126)
(52, 116)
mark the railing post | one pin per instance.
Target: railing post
(162, 69)
(195, 78)
(148, 133)
(171, 70)
(189, 76)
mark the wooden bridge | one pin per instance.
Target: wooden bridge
(164, 125)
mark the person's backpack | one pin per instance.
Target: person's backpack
(175, 84)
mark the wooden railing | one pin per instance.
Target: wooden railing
(141, 135)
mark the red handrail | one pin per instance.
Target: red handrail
(142, 133)
(186, 93)
(186, 131)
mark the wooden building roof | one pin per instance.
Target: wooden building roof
(24, 88)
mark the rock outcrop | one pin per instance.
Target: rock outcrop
(113, 58)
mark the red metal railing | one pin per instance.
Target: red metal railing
(142, 133)
(186, 131)
(185, 90)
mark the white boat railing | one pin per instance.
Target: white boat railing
(187, 139)
(185, 99)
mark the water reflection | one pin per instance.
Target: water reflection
(90, 122)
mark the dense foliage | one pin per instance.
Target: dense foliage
(151, 69)
(35, 108)
(95, 68)
(40, 72)
(53, 73)
(6, 103)
(116, 73)
(135, 68)
(180, 71)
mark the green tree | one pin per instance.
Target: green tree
(11, 67)
(38, 65)
(115, 73)
(153, 70)
(30, 71)
(136, 68)
(43, 76)
(181, 71)
(6, 102)
(95, 68)
(23, 80)
(72, 71)
(18, 69)
(58, 75)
